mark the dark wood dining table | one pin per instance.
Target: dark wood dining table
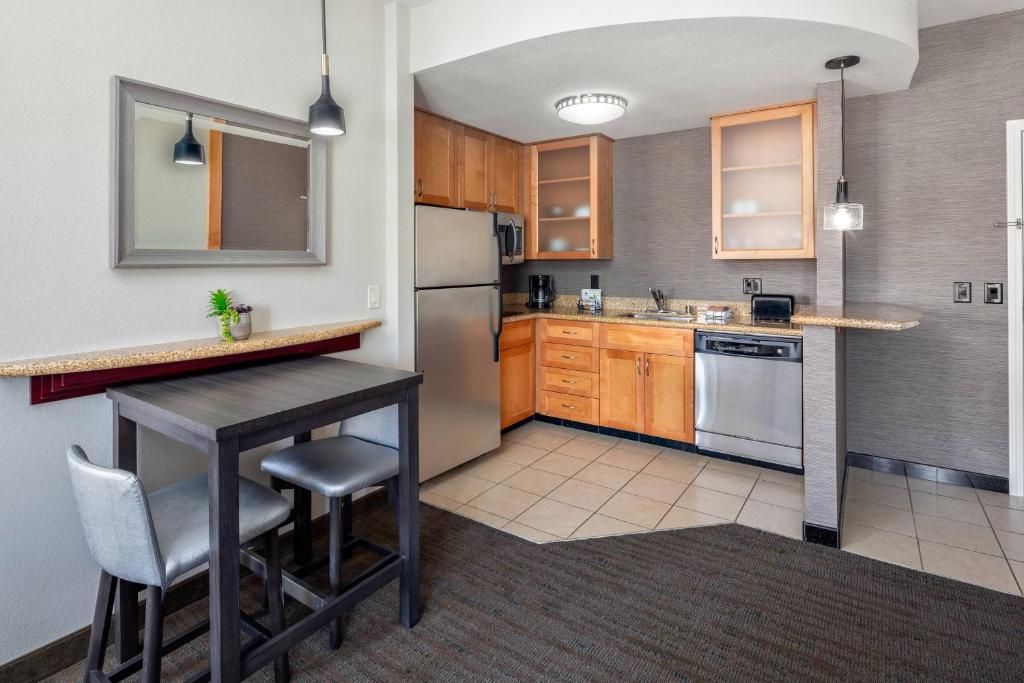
(225, 412)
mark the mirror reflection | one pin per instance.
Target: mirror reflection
(207, 184)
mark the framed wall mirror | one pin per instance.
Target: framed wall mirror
(198, 182)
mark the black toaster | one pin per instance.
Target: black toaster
(774, 308)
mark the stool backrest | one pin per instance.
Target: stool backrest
(115, 516)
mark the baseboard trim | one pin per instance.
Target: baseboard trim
(985, 482)
(618, 433)
(64, 652)
(822, 535)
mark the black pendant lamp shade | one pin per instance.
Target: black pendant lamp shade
(187, 150)
(326, 117)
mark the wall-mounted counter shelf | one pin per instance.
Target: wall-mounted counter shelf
(55, 378)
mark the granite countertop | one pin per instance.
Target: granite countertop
(171, 352)
(863, 316)
(739, 323)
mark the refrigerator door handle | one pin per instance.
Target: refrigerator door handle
(497, 286)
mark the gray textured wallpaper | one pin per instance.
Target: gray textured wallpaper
(929, 165)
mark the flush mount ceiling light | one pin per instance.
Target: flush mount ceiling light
(188, 150)
(591, 108)
(843, 215)
(326, 117)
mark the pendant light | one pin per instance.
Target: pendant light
(326, 117)
(188, 150)
(843, 215)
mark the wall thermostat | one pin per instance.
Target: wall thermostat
(993, 292)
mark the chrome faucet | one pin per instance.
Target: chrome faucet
(659, 299)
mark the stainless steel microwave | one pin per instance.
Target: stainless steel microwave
(509, 227)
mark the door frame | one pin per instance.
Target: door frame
(1015, 299)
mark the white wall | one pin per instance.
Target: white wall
(57, 293)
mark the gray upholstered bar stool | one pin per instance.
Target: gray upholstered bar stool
(335, 468)
(152, 539)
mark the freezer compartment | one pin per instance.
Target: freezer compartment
(459, 399)
(455, 247)
(750, 398)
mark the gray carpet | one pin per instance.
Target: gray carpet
(716, 603)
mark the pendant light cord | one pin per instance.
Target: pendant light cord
(323, 23)
(842, 116)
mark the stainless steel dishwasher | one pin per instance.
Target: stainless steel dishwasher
(749, 396)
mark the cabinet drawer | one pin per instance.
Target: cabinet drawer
(570, 382)
(583, 358)
(567, 407)
(516, 334)
(568, 332)
(670, 341)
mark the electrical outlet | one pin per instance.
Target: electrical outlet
(993, 292)
(373, 296)
(751, 285)
(961, 292)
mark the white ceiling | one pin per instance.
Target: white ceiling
(675, 74)
(935, 12)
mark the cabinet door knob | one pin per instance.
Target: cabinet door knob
(569, 406)
(419, 187)
(638, 366)
(647, 367)
(574, 358)
(716, 244)
(593, 246)
(569, 332)
(569, 381)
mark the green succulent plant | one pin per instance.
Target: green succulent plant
(221, 306)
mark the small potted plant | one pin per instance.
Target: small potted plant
(232, 319)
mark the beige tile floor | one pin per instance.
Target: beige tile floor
(954, 531)
(549, 483)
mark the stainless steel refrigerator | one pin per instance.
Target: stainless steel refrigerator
(458, 320)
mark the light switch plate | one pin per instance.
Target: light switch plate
(373, 296)
(993, 292)
(751, 285)
(961, 292)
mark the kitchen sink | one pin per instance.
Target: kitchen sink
(659, 315)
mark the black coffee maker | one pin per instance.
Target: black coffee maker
(542, 293)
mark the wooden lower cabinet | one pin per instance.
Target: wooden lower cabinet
(668, 397)
(648, 393)
(517, 384)
(568, 407)
(622, 390)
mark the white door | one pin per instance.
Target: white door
(1015, 298)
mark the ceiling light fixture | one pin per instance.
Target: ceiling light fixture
(843, 215)
(591, 108)
(188, 150)
(326, 117)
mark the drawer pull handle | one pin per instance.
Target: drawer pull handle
(569, 381)
(569, 332)
(569, 406)
(570, 357)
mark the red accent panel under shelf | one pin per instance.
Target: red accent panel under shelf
(49, 388)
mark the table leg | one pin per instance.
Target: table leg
(225, 641)
(302, 534)
(126, 618)
(408, 507)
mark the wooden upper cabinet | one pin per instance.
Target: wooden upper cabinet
(762, 183)
(622, 390)
(435, 161)
(506, 175)
(466, 168)
(475, 168)
(570, 199)
(668, 397)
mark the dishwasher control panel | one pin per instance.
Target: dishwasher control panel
(778, 348)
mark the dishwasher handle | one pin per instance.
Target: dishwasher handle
(763, 348)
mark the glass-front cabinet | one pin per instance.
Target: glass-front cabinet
(571, 212)
(762, 187)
